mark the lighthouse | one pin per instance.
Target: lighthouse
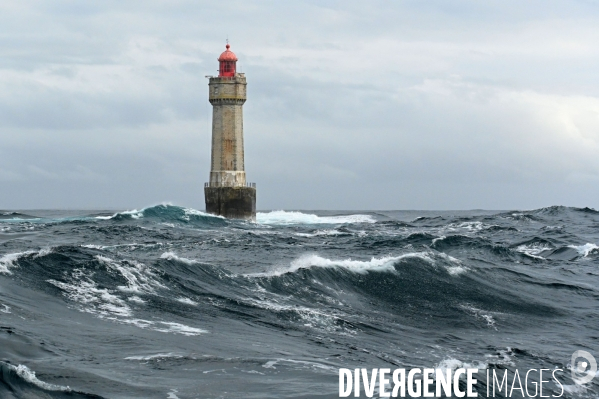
(227, 193)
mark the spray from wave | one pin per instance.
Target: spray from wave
(290, 218)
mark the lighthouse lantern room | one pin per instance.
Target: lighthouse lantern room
(228, 63)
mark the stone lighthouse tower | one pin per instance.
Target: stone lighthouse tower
(227, 193)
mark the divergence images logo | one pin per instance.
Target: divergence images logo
(581, 373)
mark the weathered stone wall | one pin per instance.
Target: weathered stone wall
(231, 202)
(227, 96)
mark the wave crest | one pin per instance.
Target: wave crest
(167, 213)
(294, 217)
(384, 264)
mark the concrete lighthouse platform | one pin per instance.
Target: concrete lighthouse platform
(231, 202)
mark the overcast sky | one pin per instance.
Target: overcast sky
(351, 104)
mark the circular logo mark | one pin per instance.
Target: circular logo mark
(585, 370)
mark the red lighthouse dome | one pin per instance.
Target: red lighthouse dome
(228, 63)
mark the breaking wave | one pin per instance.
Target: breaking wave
(290, 218)
(166, 213)
(23, 383)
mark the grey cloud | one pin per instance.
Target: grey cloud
(389, 105)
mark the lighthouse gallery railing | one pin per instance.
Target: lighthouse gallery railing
(253, 185)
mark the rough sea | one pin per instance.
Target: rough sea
(169, 302)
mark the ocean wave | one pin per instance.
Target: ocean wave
(10, 260)
(103, 286)
(165, 327)
(178, 299)
(107, 304)
(133, 214)
(482, 314)
(550, 210)
(166, 213)
(9, 216)
(324, 233)
(503, 357)
(175, 257)
(169, 355)
(534, 249)
(470, 227)
(291, 217)
(186, 301)
(301, 364)
(384, 264)
(329, 321)
(586, 249)
(140, 278)
(101, 301)
(455, 266)
(21, 382)
(586, 209)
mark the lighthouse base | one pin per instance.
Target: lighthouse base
(231, 202)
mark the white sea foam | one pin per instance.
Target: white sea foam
(385, 264)
(140, 278)
(96, 300)
(8, 261)
(321, 233)
(441, 238)
(133, 246)
(302, 364)
(5, 308)
(187, 301)
(173, 256)
(135, 214)
(456, 267)
(502, 357)
(28, 375)
(164, 326)
(287, 218)
(106, 304)
(138, 214)
(585, 249)
(194, 212)
(136, 299)
(169, 355)
(533, 250)
(471, 226)
(43, 252)
(313, 318)
(170, 327)
(483, 314)
(93, 246)
(468, 227)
